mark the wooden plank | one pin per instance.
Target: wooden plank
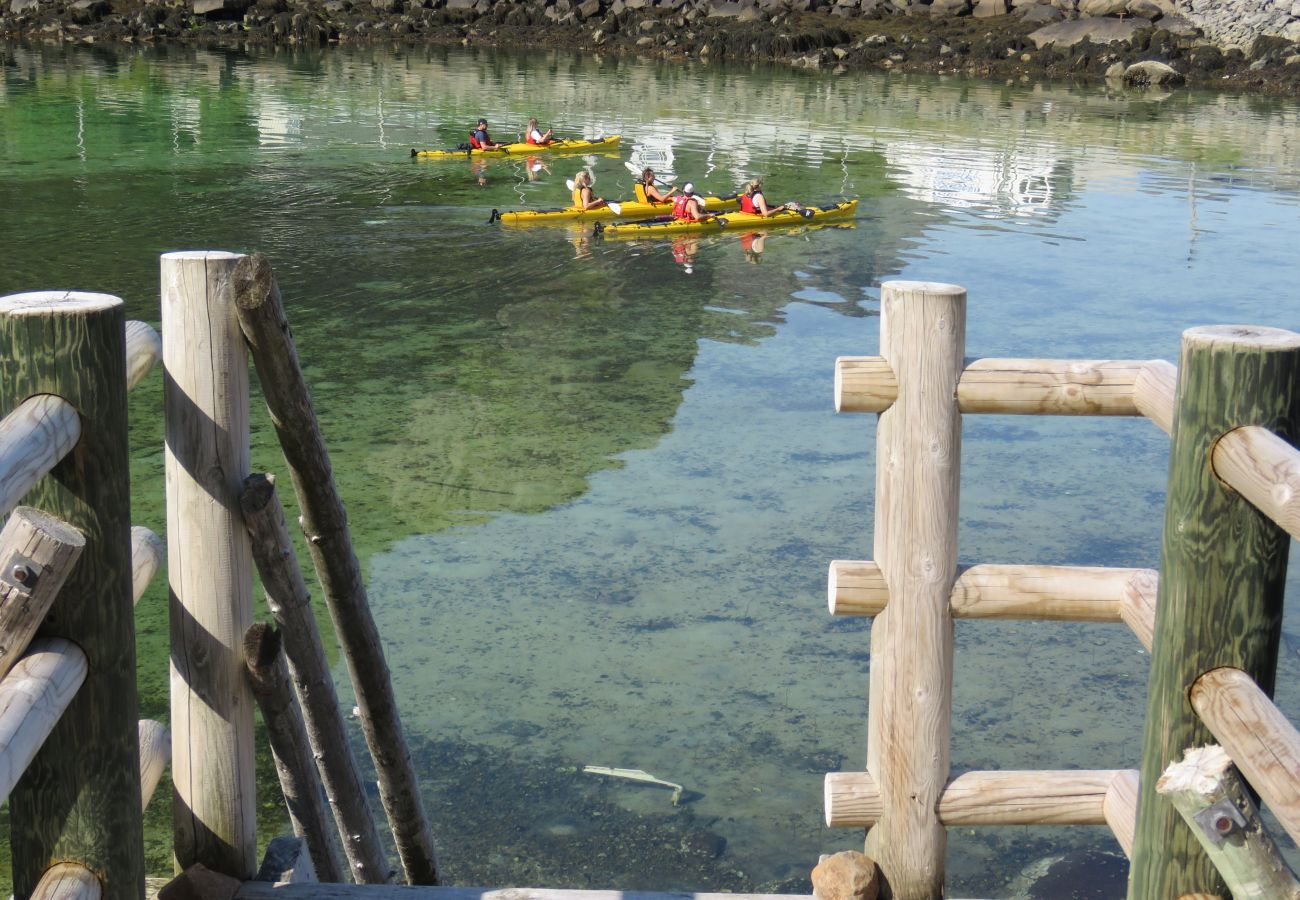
(68, 881)
(1205, 789)
(1260, 740)
(1050, 387)
(922, 335)
(1222, 575)
(37, 553)
(268, 673)
(79, 800)
(1264, 469)
(1120, 808)
(33, 697)
(209, 568)
(290, 605)
(1153, 393)
(325, 524)
(1064, 797)
(143, 350)
(40, 432)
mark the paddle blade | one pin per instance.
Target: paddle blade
(617, 207)
(569, 183)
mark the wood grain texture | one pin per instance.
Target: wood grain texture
(1153, 393)
(1065, 797)
(1138, 608)
(33, 696)
(268, 673)
(1057, 593)
(155, 751)
(37, 553)
(39, 432)
(1263, 744)
(1247, 857)
(147, 554)
(1264, 469)
(68, 881)
(143, 351)
(1047, 387)
(290, 605)
(1120, 808)
(209, 567)
(1222, 573)
(325, 524)
(922, 335)
(79, 800)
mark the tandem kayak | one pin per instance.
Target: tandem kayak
(628, 209)
(574, 146)
(732, 222)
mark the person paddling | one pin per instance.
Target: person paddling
(652, 194)
(479, 138)
(688, 206)
(753, 202)
(583, 196)
(536, 136)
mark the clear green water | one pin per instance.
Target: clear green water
(596, 494)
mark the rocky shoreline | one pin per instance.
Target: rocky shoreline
(1247, 44)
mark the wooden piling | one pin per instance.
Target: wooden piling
(290, 605)
(37, 553)
(80, 797)
(209, 569)
(1222, 571)
(922, 337)
(269, 675)
(324, 522)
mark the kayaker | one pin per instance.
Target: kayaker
(687, 205)
(752, 201)
(583, 196)
(652, 193)
(479, 138)
(536, 136)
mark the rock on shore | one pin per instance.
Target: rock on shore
(1240, 43)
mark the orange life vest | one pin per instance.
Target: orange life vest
(747, 204)
(679, 208)
(473, 142)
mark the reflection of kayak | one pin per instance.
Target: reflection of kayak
(575, 146)
(628, 209)
(731, 222)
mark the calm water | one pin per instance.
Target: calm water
(596, 485)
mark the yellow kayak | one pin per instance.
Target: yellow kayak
(628, 209)
(574, 146)
(731, 222)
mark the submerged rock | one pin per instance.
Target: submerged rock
(1151, 71)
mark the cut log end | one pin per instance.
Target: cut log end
(254, 281)
(50, 526)
(259, 491)
(261, 646)
(1257, 336)
(62, 303)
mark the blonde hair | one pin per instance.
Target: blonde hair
(755, 184)
(582, 179)
(532, 123)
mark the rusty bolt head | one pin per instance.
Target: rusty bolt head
(1223, 824)
(21, 574)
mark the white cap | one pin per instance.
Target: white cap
(688, 188)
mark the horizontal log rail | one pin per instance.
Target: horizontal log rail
(68, 881)
(32, 698)
(33, 438)
(1060, 593)
(143, 350)
(147, 552)
(155, 751)
(1119, 807)
(1052, 387)
(1048, 797)
(1265, 469)
(1153, 393)
(1258, 737)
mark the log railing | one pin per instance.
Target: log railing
(915, 591)
(70, 572)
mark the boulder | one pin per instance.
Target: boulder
(1040, 15)
(1145, 9)
(1149, 71)
(848, 875)
(461, 4)
(987, 8)
(730, 9)
(950, 8)
(1102, 7)
(1179, 26)
(83, 12)
(1099, 31)
(220, 8)
(17, 6)
(588, 9)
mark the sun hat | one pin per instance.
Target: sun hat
(688, 188)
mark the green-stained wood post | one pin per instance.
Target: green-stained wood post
(1222, 572)
(80, 798)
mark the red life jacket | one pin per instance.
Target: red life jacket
(747, 204)
(473, 142)
(679, 207)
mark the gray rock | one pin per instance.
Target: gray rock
(1040, 15)
(1099, 31)
(729, 9)
(988, 8)
(1149, 71)
(17, 6)
(1102, 7)
(1145, 9)
(461, 4)
(218, 7)
(645, 26)
(646, 41)
(941, 8)
(1116, 70)
(1179, 26)
(588, 9)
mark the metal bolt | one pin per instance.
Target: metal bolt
(1223, 824)
(21, 574)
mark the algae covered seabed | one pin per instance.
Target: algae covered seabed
(595, 494)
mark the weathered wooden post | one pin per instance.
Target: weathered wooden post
(80, 798)
(209, 567)
(1222, 572)
(922, 336)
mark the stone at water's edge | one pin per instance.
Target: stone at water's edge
(1152, 72)
(847, 875)
(1099, 31)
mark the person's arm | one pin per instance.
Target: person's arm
(589, 200)
(760, 203)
